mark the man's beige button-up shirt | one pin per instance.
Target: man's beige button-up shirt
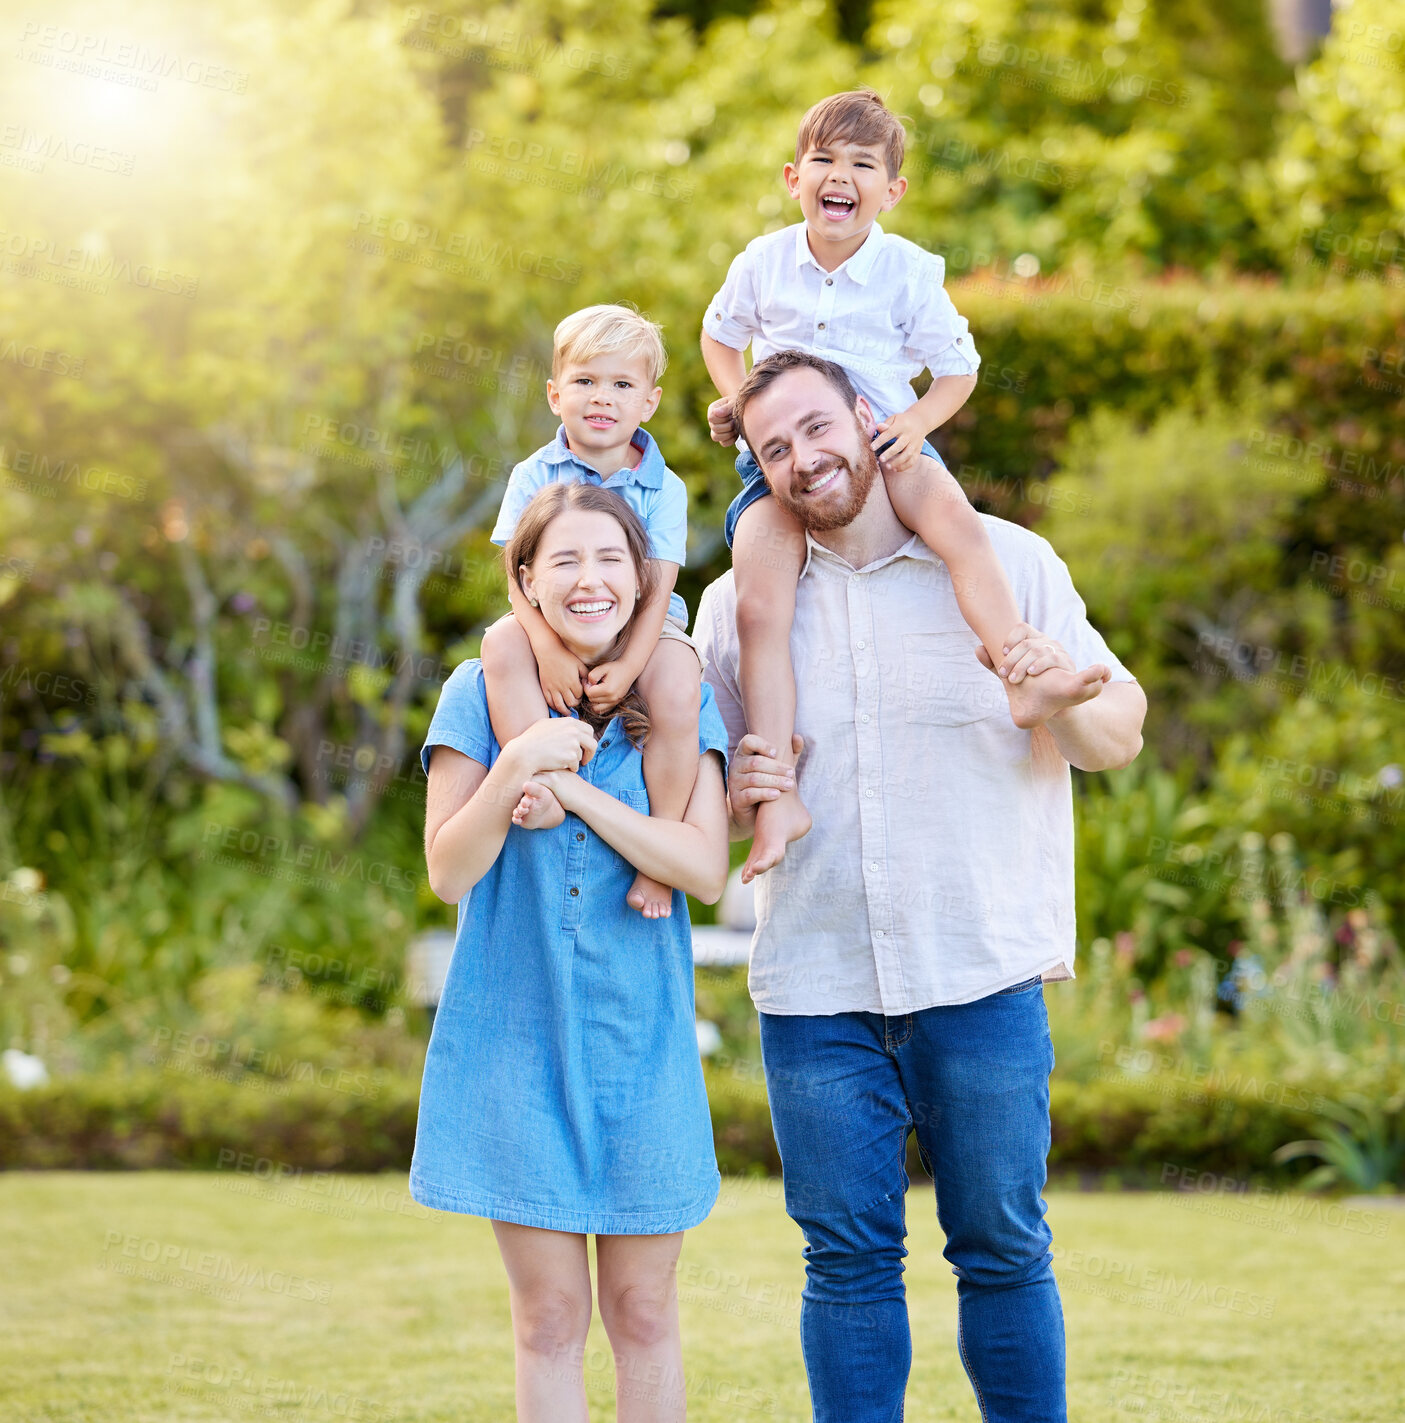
(940, 865)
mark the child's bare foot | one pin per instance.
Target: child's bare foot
(652, 899)
(538, 809)
(1034, 699)
(778, 822)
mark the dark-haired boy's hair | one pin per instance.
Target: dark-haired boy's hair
(765, 372)
(855, 116)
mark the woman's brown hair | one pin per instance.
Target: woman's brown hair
(522, 550)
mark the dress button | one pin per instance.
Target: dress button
(821, 325)
(604, 744)
(574, 890)
(580, 834)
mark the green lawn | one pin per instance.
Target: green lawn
(185, 1296)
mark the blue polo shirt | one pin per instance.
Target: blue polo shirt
(652, 490)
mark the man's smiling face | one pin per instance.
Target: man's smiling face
(812, 447)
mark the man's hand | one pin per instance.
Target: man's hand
(721, 423)
(908, 428)
(756, 775)
(562, 677)
(607, 685)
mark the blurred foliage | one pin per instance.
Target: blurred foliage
(266, 365)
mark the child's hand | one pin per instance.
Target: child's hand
(720, 422)
(607, 684)
(905, 428)
(562, 677)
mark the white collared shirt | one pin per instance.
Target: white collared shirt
(883, 315)
(940, 865)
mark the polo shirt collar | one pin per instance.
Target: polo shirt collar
(858, 267)
(650, 471)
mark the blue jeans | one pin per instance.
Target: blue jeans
(973, 1080)
(754, 487)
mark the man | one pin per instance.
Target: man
(900, 946)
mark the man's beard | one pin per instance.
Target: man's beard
(819, 517)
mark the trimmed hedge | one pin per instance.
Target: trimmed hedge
(151, 1121)
(1332, 361)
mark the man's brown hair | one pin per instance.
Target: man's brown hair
(763, 373)
(856, 116)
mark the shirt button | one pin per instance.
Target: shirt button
(874, 868)
(861, 645)
(959, 339)
(580, 834)
(865, 717)
(868, 792)
(821, 325)
(829, 281)
(878, 933)
(574, 890)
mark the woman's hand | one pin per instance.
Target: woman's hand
(561, 743)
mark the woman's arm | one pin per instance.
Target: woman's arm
(689, 854)
(468, 808)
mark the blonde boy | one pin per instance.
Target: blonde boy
(605, 367)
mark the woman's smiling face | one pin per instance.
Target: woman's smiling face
(583, 580)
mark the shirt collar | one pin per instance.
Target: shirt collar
(650, 470)
(857, 267)
(913, 548)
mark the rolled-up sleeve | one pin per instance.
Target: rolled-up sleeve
(733, 316)
(938, 336)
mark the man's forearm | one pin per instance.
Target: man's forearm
(1104, 733)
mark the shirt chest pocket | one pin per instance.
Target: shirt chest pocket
(944, 685)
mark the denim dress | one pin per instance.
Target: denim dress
(562, 1087)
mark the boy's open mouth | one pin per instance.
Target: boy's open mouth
(836, 205)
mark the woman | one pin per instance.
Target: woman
(562, 1094)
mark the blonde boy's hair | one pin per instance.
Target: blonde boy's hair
(857, 116)
(602, 330)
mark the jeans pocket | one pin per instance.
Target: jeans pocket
(1030, 983)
